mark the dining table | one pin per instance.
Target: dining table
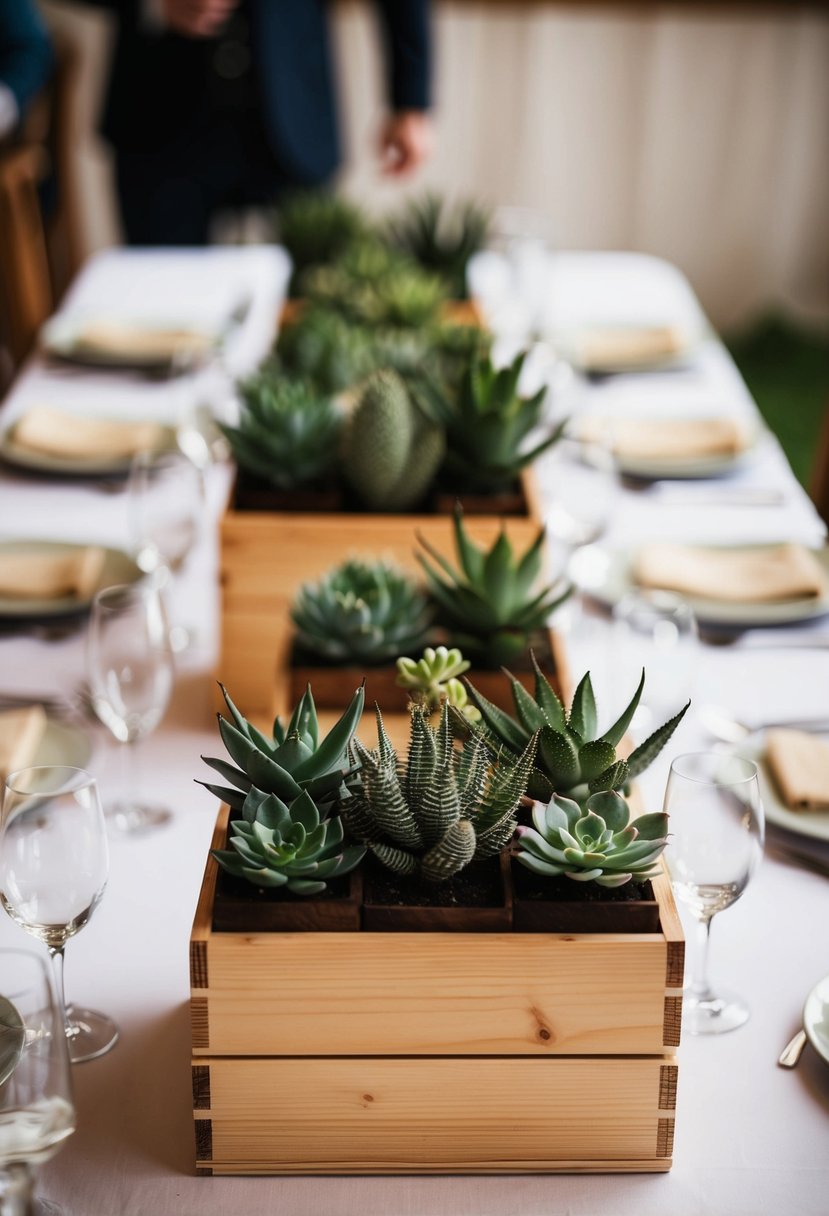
(751, 1138)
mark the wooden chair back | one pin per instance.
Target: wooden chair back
(819, 488)
(25, 285)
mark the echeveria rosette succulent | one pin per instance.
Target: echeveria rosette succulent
(573, 758)
(293, 760)
(279, 845)
(594, 843)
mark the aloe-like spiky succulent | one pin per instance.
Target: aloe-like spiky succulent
(295, 759)
(278, 844)
(391, 449)
(442, 238)
(487, 425)
(317, 227)
(443, 809)
(595, 843)
(573, 758)
(490, 604)
(288, 435)
(433, 678)
(362, 612)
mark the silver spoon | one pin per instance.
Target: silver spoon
(792, 1051)
(723, 725)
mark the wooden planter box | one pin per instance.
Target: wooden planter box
(266, 556)
(373, 1053)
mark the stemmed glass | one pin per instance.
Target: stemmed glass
(130, 668)
(717, 829)
(54, 863)
(657, 631)
(36, 1109)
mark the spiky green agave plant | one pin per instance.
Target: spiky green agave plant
(441, 810)
(441, 238)
(293, 760)
(573, 758)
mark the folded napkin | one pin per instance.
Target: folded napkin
(122, 340)
(51, 576)
(620, 347)
(20, 733)
(58, 433)
(765, 575)
(799, 764)
(669, 438)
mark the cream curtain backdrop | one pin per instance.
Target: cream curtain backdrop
(698, 135)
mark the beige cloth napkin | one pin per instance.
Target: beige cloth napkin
(57, 433)
(114, 340)
(776, 572)
(621, 347)
(20, 733)
(51, 576)
(672, 439)
(800, 765)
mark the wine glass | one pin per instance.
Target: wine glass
(54, 863)
(717, 829)
(130, 670)
(166, 505)
(36, 1110)
(657, 631)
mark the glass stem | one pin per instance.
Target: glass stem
(132, 773)
(699, 986)
(56, 955)
(17, 1190)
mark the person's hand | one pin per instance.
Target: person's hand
(405, 141)
(196, 18)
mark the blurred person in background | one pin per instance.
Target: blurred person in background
(226, 103)
(25, 61)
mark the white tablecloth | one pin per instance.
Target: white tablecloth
(750, 1138)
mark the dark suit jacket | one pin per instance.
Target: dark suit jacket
(25, 50)
(160, 84)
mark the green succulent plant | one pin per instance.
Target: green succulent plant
(391, 449)
(487, 425)
(490, 603)
(277, 844)
(295, 759)
(433, 678)
(573, 758)
(287, 435)
(373, 285)
(325, 349)
(441, 238)
(443, 809)
(362, 612)
(595, 843)
(318, 227)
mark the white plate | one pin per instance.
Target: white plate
(804, 823)
(59, 337)
(63, 744)
(605, 574)
(816, 1018)
(62, 466)
(118, 567)
(573, 347)
(687, 469)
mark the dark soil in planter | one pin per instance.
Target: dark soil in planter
(509, 501)
(254, 494)
(476, 900)
(241, 907)
(562, 905)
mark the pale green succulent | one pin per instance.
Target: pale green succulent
(391, 449)
(445, 808)
(488, 424)
(295, 759)
(434, 677)
(276, 844)
(288, 435)
(573, 757)
(490, 604)
(361, 612)
(594, 843)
